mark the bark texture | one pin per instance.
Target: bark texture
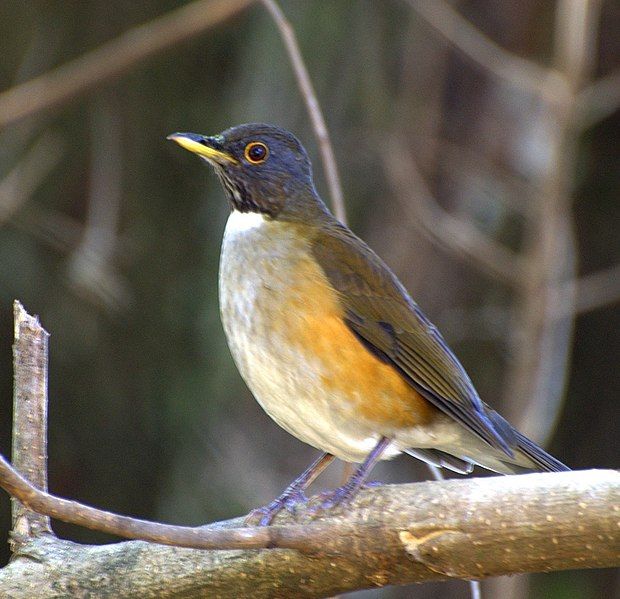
(398, 534)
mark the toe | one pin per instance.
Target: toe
(264, 516)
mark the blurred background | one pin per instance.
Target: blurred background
(478, 143)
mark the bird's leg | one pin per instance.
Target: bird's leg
(356, 482)
(293, 494)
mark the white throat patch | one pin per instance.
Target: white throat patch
(240, 222)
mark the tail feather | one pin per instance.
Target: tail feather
(539, 456)
(471, 450)
(441, 459)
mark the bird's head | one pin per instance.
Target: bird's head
(263, 168)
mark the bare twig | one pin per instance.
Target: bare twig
(114, 58)
(24, 178)
(91, 269)
(131, 528)
(598, 289)
(61, 232)
(30, 355)
(441, 227)
(57, 230)
(477, 46)
(576, 32)
(312, 105)
(470, 164)
(591, 291)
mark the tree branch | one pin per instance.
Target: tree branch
(540, 340)
(389, 535)
(598, 101)
(441, 227)
(24, 178)
(312, 105)
(114, 57)
(592, 291)
(597, 289)
(30, 356)
(92, 270)
(473, 43)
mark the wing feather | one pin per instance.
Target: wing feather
(378, 310)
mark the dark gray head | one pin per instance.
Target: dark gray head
(263, 168)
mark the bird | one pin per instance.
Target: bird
(326, 337)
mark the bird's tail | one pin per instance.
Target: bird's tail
(528, 455)
(521, 454)
(536, 454)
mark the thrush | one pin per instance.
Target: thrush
(326, 337)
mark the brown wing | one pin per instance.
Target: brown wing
(389, 323)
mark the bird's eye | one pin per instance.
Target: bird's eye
(256, 152)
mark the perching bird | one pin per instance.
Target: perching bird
(326, 337)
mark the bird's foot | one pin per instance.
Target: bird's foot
(341, 495)
(289, 500)
(349, 490)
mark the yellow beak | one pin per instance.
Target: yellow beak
(201, 145)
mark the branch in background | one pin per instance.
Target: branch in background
(575, 38)
(441, 227)
(312, 105)
(541, 338)
(30, 358)
(59, 231)
(26, 176)
(91, 269)
(592, 291)
(53, 228)
(114, 57)
(598, 101)
(473, 43)
(515, 194)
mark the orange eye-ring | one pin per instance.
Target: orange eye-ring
(256, 152)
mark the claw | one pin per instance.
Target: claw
(349, 490)
(341, 495)
(292, 496)
(286, 501)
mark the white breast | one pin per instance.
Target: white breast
(257, 268)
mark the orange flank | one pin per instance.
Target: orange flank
(312, 319)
